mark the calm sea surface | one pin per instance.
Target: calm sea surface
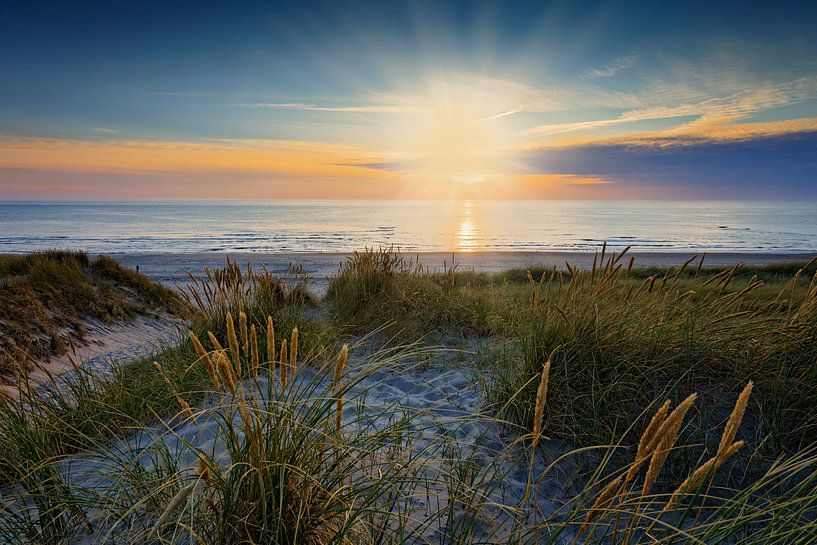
(331, 226)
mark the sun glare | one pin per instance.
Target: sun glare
(452, 132)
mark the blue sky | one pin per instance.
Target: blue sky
(416, 99)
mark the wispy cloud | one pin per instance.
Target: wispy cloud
(611, 68)
(709, 112)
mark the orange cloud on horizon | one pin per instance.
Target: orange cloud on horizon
(241, 156)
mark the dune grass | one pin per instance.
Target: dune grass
(622, 338)
(251, 431)
(92, 407)
(47, 296)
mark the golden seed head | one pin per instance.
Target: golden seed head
(726, 449)
(340, 364)
(270, 342)
(213, 339)
(197, 344)
(648, 437)
(339, 416)
(186, 408)
(697, 477)
(648, 441)
(254, 357)
(242, 325)
(735, 418)
(607, 494)
(226, 371)
(205, 357)
(665, 439)
(541, 398)
(232, 340)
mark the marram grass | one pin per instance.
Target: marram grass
(249, 438)
(624, 338)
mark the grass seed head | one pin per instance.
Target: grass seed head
(541, 399)
(605, 496)
(283, 363)
(254, 356)
(665, 439)
(242, 327)
(648, 441)
(214, 340)
(226, 371)
(270, 342)
(648, 437)
(203, 468)
(735, 419)
(232, 339)
(340, 364)
(209, 366)
(186, 408)
(694, 481)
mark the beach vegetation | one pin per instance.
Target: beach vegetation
(619, 409)
(47, 297)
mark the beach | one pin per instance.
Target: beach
(408, 273)
(492, 402)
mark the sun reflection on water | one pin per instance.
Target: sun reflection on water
(467, 233)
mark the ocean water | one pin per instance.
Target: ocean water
(343, 226)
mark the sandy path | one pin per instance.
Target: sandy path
(108, 345)
(448, 416)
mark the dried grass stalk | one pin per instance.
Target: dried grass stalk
(697, 478)
(604, 498)
(539, 408)
(242, 327)
(270, 343)
(214, 340)
(282, 362)
(209, 366)
(226, 371)
(293, 353)
(254, 357)
(735, 418)
(666, 436)
(232, 340)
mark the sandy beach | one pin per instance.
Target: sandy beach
(172, 269)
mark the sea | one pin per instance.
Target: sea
(412, 226)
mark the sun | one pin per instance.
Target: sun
(452, 131)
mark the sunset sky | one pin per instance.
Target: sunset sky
(354, 100)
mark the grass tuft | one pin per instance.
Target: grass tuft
(47, 297)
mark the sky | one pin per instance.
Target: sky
(144, 100)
